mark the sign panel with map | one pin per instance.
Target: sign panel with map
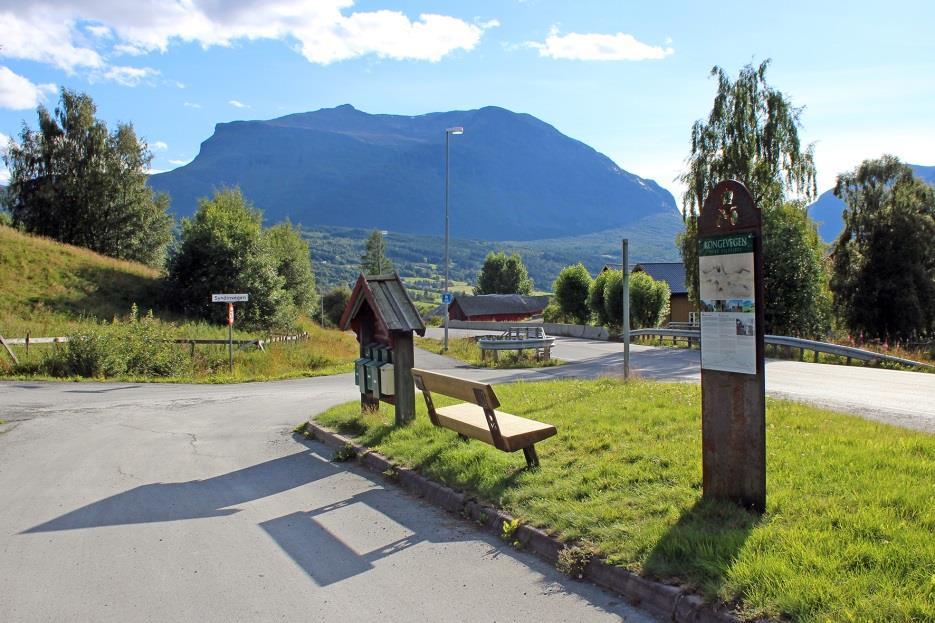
(728, 303)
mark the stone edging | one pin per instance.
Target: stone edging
(660, 599)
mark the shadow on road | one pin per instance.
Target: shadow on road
(195, 499)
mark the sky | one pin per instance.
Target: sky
(627, 78)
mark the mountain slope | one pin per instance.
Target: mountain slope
(512, 176)
(828, 209)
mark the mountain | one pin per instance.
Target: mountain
(828, 209)
(512, 176)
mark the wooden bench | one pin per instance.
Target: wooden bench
(478, 418)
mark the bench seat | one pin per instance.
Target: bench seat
(517, 432)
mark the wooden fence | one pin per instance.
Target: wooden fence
(259, 343)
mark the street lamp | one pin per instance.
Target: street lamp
(448, 133)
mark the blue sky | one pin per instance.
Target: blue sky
(628, 78)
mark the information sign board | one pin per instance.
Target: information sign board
(728, 303)
(446, 298)
(229, 298)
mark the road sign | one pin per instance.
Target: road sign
(229, 298)
(446, 298)
(230, 313)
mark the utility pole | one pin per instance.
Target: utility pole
(625, 252)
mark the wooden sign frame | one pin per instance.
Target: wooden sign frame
(733, 415)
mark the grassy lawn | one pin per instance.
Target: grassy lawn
(848, 532)
(469, 352)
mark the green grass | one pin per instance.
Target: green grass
(52, 289)
(848, 532)
(468, 351)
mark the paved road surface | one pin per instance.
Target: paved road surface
(125, 502)
(897, 397)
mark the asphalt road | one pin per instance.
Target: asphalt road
(896, 397)
(161, 502)
(157, 502)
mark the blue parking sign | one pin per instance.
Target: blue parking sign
(446, 298)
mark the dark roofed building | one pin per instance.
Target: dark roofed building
(496, 307)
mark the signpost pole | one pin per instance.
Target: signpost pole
(626, 308)
(230, 336)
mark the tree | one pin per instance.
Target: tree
(571, 292)
(751, 135)
(223, 249)
(649, 300)
(293, 263)
(503, 274)
(596, 302)
(795, 278)
(335, 301)
(884, 260)
(374, 260)
(74, 181)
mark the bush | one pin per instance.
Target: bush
(649, 300)
(571, 292)
(94, 353)
(596, 299)
(139, 346)
(335, 302)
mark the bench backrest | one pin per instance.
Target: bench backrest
(462, 389)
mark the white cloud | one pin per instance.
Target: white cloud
(191, 105)
(179, 162)
(127, 76)
(324, 31)
(238, 104)
(18, 93)
(159, 146)
(598, 47)
(101, 32)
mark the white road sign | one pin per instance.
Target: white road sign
(229, 298)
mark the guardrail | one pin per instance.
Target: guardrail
(846, 352)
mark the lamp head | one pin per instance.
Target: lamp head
(455, 130)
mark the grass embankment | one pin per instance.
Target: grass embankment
(847, 535)
(468, 351)
(51, 289)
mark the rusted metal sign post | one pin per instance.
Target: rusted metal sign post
(733, 380)
(230, 299)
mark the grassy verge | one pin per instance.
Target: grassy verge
(325, 352)
(847, 535)
(469, 352)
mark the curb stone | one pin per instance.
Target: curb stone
(670, 602)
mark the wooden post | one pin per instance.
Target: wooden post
(9, 350)
(733, 379)
(27, 345)
(403, 384)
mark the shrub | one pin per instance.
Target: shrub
(149, 348)
(596, 299)
(95, 352)
(571, 292)
(335, 302)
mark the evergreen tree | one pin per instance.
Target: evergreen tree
(74, 181)
(884, 261)
(374, 260)
(503, 274)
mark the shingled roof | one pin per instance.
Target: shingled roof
(389, 300)
(492, 304)
(672, 273)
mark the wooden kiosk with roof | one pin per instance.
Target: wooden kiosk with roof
(384, 318)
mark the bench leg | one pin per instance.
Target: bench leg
(532, 459)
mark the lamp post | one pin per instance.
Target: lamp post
(448, 133)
